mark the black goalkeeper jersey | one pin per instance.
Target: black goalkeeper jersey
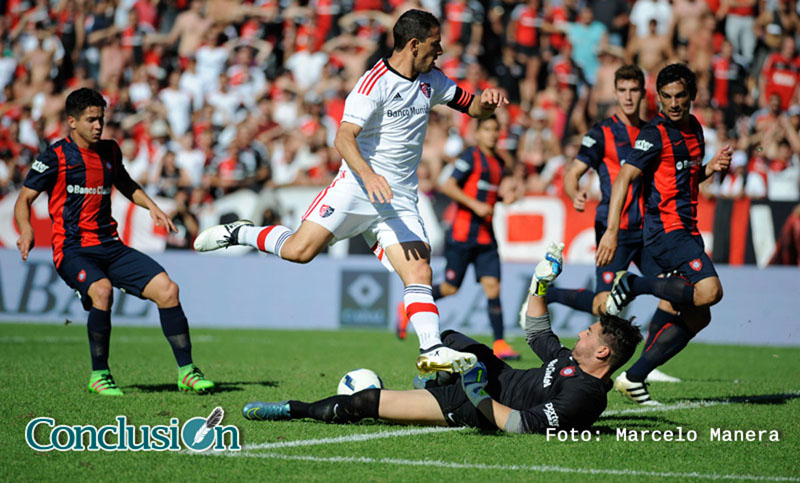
(558, 394)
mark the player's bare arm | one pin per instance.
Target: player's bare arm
(572, 187)
(484, 105)
(451, 189)
(140, 198)
(377, 187)
(22, 215)
(608, 243)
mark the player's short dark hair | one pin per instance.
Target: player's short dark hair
(621, 336)
(481, 120)
(413, 24)
(678, 73)
(629, 72)
(80, 99)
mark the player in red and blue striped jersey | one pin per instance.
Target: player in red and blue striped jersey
(78, 173)
(668, 153)
(474, 186)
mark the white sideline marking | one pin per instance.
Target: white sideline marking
(532, 468)
(125, 339)
(352, 438)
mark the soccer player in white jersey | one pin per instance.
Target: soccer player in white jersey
(375, 194)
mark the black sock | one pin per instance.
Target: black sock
(578, 299)
(496, 318)
(339, 409)
(673, 289)
(176, 329)
(98, 325)
(437, 292)
(668, 341)
(660, 318)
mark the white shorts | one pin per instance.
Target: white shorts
(345, 210)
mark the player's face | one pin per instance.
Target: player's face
(675, 101)
(89, 126)
(428, 51)
(589, 341)
(629, 96)
(487, 134)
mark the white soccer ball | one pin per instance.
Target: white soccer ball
(358, 380)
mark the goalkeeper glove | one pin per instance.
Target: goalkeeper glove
(547, 270)
(474, 383)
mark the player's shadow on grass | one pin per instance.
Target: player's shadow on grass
(230, 386)
(757, 399)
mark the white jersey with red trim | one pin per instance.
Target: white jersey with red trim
(393, 112)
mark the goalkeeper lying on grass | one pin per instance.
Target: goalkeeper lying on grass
(567, 391)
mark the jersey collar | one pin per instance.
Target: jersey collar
(386, 63)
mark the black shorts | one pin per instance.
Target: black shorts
(630, 248)
(527, 50)
(454, 403)
(682, 252)
(129, 270)
(460, 255)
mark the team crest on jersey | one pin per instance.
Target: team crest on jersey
(82, 276)
(450, 274)
(325, 211)
(696, 264)
(426, 89)
(568, 371)
(608, 277)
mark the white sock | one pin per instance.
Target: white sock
(423, 314)
(268, 239)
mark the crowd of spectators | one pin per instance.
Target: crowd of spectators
(210, 96)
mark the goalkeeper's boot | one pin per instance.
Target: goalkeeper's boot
(443, 358)
(635, 391)
(402, 321)
(219, 236)
(502, 350)
(191, 379)
(620, 294)
(266, 411)
(102, 383)
(658, 376)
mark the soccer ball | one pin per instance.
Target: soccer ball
(358, 380)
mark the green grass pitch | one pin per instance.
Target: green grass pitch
(45, 369)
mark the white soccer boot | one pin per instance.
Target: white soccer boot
(658, 376)
(620, 294)
(442, 358)
(219, 236)
(635, 391)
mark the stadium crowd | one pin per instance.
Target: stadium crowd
(211, 96)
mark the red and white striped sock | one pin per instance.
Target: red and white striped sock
(423, 314)
(268, 239)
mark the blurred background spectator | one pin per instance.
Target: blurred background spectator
(207, 97)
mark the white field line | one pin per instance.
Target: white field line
(124, 339)
(696, 404)
(352, 438)
(524, 468)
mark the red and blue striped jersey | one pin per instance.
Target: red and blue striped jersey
(78, 182)
(605, 148)
(672, 162)
(479, 177)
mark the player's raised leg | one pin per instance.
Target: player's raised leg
(411, 260)
(164, 292)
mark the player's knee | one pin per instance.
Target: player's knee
(420, 273)
(708, 294)
(447, 289)
(101, 293)
(170, 294)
